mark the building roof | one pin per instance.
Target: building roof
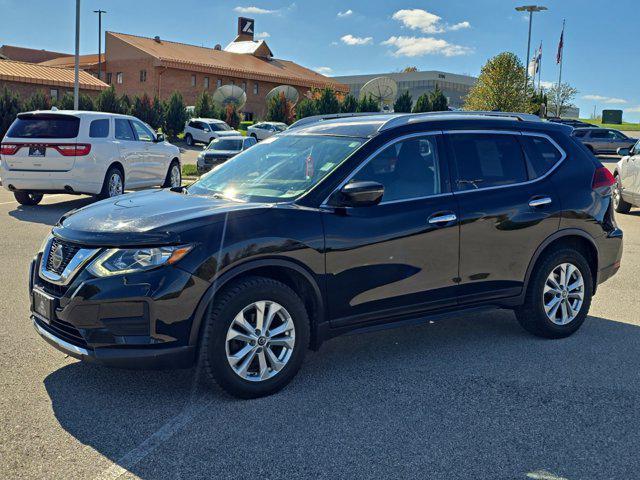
(86, 61)
(208, 60)
(32, 55)
(43, 75)
(258, 48)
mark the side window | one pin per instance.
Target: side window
(407, 169)
(487, 160)
(616, 135)
(250, 141)
(599, 134)
(192, 124)
(142, 132)
(99, 128)
(579, 133)
(541, 155)
(123, 130)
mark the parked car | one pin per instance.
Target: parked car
(222, 149)
(626, 193)
(571, 122)
(80, 152)
(603, 140)
(263, 130)
(334, 226)
(204, 130)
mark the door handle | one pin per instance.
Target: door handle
(539, 202)
(440, 219)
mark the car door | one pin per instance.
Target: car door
(600, 140)
(631, 177)
(125, 139)
(153, 165)
(400, 256)
(618, 140)
(506, 209)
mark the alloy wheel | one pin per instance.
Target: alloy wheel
(260, 341)
(563, 294)
(616, 194)
(115, 185)
(176, 179)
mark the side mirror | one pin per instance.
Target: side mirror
(159, 138)
(360, 194)
(624, 151)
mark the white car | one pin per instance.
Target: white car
(204, 130)
(76, 152)
(626, 192)
(263, 130)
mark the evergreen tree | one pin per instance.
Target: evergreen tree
(158, 114)
(438, 101)
(423, 104)
(349, 104)
(176, 115)
(327, 103)
(232, 116)
(143, 109)
(108, 101)
(403, 103)
(10, 106)
(65, 102)
(38, 101)
(368, 105)
(125, 104)
(85, 102)
(306, 108)
(280, 110)
(204, 107)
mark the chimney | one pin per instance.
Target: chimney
(245, 29)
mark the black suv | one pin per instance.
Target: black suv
(336, 225)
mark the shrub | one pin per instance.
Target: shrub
(349, 104)
(205, 107)
(108, 102)
(10, 106)
(143, 109)
(367, 105)
(85, 102)
(280, 110)
(306, 108)
(38, 101)
(176, 116)
(403, 103)
(244, 125)
(232, 117)
(423, 104)
(438, 101)
(158, 114)
(327, 102)
(125, 104)
(65, 102)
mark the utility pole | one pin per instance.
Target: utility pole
(99, 12)
(560, 59)
(76, 83)
(530, 9)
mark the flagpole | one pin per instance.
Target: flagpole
(540, 69)
(560, 74)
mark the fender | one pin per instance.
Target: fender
(568, 232)
(226, 277)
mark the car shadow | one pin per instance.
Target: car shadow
(49, 213)
(468, 397)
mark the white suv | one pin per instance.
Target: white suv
(84, 152)
(205, 130)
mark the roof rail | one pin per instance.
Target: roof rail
(330, 116)
(420, 117)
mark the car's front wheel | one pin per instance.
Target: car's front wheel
(255, 338)
(28, 198)
(189, 139)
(174, 176)
(558, 296)
(619, 204)
(113, 183)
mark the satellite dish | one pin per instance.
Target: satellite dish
(382, 89)
(230, 95)
(290, 93)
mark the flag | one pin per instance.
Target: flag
(534, 65)
(560, 46)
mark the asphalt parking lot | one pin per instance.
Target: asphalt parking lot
(469, 397)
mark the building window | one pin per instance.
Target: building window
(244, 86)
(193, 80)
(119, 78)
(206, 83)
(255, 88)
(218, 83)
(109, 74)
(143, 75)
(54, 94)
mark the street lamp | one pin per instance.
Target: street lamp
(99, 12)
(530, 9)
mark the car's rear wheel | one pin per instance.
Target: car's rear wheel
(255, 338)
(189, 139)
(113, 183)
(558, 296)
(619, 204)
(28, 198)
(254, 136)
(174, 176)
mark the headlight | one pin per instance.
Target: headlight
(116, 261)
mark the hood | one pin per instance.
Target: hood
(220, 153)
(228, 133)
(150, 217)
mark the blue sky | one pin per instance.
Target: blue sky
(359, 36)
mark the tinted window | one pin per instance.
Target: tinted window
(615, 135)
(579, 133)
(226, 144)
(123, 130)
(44, 126)
(599, 134)
(407, 169)
(487, 160)
(541, 155)
(142, 132)
(99, 128)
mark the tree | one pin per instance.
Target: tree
(10, 106)
(423, 104)
(438, 101)
(108, 101)
(125, 104)
(280, 109)
(176, 115)
(157, 118)
(204, 107)
(38, 101)
(143, 109)
(85, 102)
(328, 103)
(367, 104)
(232, 116)
(349, 104)
(403, 103)
(306, 108)
(65, 102)
(500, 86)
(561, 99)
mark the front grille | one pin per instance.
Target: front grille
(65, 331)
(52, 288)
(60, 254)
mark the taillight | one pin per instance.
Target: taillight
(77, 150)
(603, 178)
(9, 148)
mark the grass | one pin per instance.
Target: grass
(630, 127)
(189, 171)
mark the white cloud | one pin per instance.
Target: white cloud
(603, 99)
(426, 22)
(263, 35)
(635, 109)
(419, 46)
(324, 70)
(346, 13)
(351, 40)
(254, 10)
(547, 85)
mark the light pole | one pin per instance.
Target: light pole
(99, 12)
(76, 82)
(530, 9)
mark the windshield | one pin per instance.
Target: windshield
(44, 126)
(277, 169)
(225, 144)
(217, 127)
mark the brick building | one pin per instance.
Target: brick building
(31, 55)
(26, 79)
(135, 65)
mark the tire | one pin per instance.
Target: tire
(217, 353)
(174, 169)
(532, 314)
(254, 136)
(109, 190)
(590, 148)
(189, 139)
(28, 198)
(619, 204)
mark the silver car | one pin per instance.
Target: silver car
(222, 149)
(626, 192)
(603, 140)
